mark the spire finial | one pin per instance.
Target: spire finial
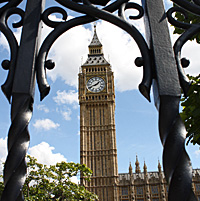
(95, 40)
(145, 167)
(130, 168)
(159, 166)
(137, 165)
(95, 25)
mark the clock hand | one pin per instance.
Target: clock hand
(94, 84)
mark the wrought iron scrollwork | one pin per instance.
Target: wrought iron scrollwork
(131, 5)
(190, 31)
(51, 10)
(18, 142)
(22, 101)
(7, 86)
(15, 166)
(172, 131)
(92, 14)
(176, 162)
(9, 4)
(192, 6)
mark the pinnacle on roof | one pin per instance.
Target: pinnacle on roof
(95, 56)
(130, 169)
(159, 166)
(145, 167)
(95, 40)
(137, 166)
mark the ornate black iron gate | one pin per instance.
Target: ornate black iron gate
(161, 63)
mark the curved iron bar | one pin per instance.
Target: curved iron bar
(10, 4)
(131, 5)
(145, 85)
(176, 162)
(184, 80)
(194, 8)
(175, 22)
(43, 85)
(191, 30)
(52, 37)
(7, 86)
(18, 142)
(50, 11)
(104, 14)
(22, 100)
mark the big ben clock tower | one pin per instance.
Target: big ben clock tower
(97, 123)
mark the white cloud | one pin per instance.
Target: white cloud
(168, 3)
(67, 52)
(190, 51)
(75, 180)
(122, 51)
(3, 153)
(45, 124)
(43, 152)
(73, 45)
(64, 97)
(4, 42)
(197, 153)
(66, 114)
(42, 108)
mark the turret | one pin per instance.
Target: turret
(137, 166)
(145, 169)
(130, 169)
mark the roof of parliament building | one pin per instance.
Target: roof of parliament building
(149, 186)
(138, 175)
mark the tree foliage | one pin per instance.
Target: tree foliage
(191, 111)
(1, 185)
(191, 19)
(54, 183)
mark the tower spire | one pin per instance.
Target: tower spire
(95, 40)
(95, 56)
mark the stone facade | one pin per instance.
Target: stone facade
(98, 149)
(148, 186)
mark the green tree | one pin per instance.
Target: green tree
(1, 185)
(191, 111)
(54, 183)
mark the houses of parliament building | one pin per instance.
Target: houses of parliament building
(98, 148)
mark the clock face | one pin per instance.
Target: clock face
(95, 84)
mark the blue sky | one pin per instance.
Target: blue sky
(54, 127)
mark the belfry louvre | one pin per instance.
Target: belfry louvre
(98, 149)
